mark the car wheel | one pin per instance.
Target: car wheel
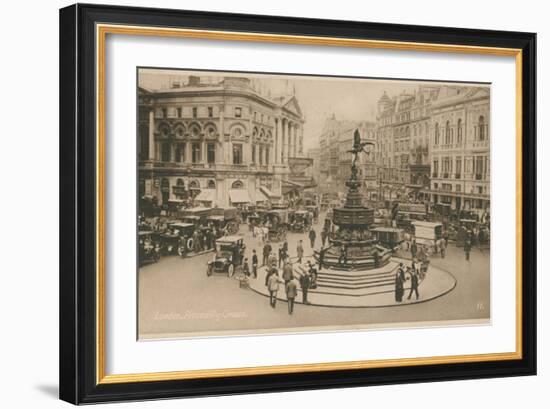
(181, 250)
(230, 270)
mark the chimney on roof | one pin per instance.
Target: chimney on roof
(194, 80)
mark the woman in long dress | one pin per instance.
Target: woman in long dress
(399, 290)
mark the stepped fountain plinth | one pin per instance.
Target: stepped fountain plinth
(352, 246)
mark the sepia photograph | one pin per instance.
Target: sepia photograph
(281, 203)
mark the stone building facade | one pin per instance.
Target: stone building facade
(460, 148)
(220, 142)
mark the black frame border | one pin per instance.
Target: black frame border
(78, 197)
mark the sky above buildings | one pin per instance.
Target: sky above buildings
(353, 99)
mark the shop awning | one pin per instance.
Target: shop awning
(239, 196)
(261, 196)
(206, 195)
(268, 193)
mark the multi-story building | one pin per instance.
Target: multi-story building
(460, 148)
(221, 142)
(403, 139)
(385, 141)
(335, 156)
(329, 155)
(314, 171)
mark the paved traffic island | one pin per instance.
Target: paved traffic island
(362, 289)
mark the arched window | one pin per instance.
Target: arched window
(211, 184)
(237, 185)
(481, 126)
(180, 152)
(447, 133)
(164, 131)
(194, 184)
(180, 182)
(180, 131)
(459, 131)
(166, 153)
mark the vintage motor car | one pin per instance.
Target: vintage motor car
(149, 248)
(196, 215)
(224, 219)
(427, 233)
(389, 237)
(277, 224)
(314, 210)
(184, 233)
(228, 256)
(301, 221)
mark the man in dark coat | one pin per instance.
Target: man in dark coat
(282, 256)
(414, 249)
(343, 259)
(291, 293)
(254, 264)
(467, 249)
(300, 251)
(288, 272)
(312, 237)
(324, 235)
(266, 253)
(305, 282)
(414, 285)
(322, 257)
(376, 257)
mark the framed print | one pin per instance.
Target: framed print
(258, 203)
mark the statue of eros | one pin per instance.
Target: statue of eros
(358, 146)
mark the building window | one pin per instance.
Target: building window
(211, 152)
(447, 133)
(458, 188)
(164, 113)
(237, 154)
(261, 155)
(478, 167)
(436, 168)
(210, 112)
(196, 152)
(481, 128)
(253, 153)
(238, 112)
(166, 152)
(180, 153)
(458, 168)
(194, 112)
(178, 110)
(436, 133)
(211, 184)
(459, 131)
(237, 185)
(267, 155)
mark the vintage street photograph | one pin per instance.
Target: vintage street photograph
(279, 203)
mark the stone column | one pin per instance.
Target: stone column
(289, 142)
(152, 134)
(284, 148)
(276, 139)
(295, 146)
(301, 145)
